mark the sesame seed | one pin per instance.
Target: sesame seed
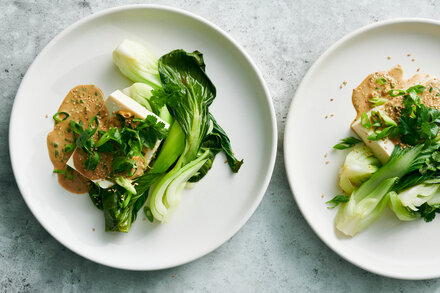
(389, 57)
(409, 54)
(93, 229)
(322, 195)
(326, 162)
(331, 115)
(418, 69)
(326, 116)
(413, 60)
(325, 155)
(331, 100)
(344, 82)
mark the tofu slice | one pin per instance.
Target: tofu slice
(381, 149)
(119, 102)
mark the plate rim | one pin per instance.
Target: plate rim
(272, 156)
(288, 141)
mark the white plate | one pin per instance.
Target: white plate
(388, 247)
(210, 213)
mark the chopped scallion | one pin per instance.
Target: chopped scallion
(395, 93)
(57, 118)
(381, 80)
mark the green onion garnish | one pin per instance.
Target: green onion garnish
(64, 172)
(69, 148)
(395, 93)
(58, 119)
(381, 80)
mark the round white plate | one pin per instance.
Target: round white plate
(209, 214)
(388, 247)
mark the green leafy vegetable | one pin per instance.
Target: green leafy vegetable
(119, 204)
(367, 202)
(217, 140)
(172, 148)
(188, 92)
(359, 165)
(137, 63)
(126, 184)
(399, 210)
(86, 142)
(417, 122)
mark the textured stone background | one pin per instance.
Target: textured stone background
(276, 251)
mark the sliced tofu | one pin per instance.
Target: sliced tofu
(118, 102)
(101, 182)
(382, 149)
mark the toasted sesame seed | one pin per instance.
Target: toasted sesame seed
(326, 162)
(322, 195)
(325, 155)
(413, 60)
(389, 57)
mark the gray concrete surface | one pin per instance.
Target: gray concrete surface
(276, 251)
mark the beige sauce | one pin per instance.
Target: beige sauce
(370, 88)
(82, 103)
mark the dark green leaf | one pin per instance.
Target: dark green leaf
(92, 161)
(112, 134)
(95, 194)
(76, 127)
(191, 92)
(418, 89)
